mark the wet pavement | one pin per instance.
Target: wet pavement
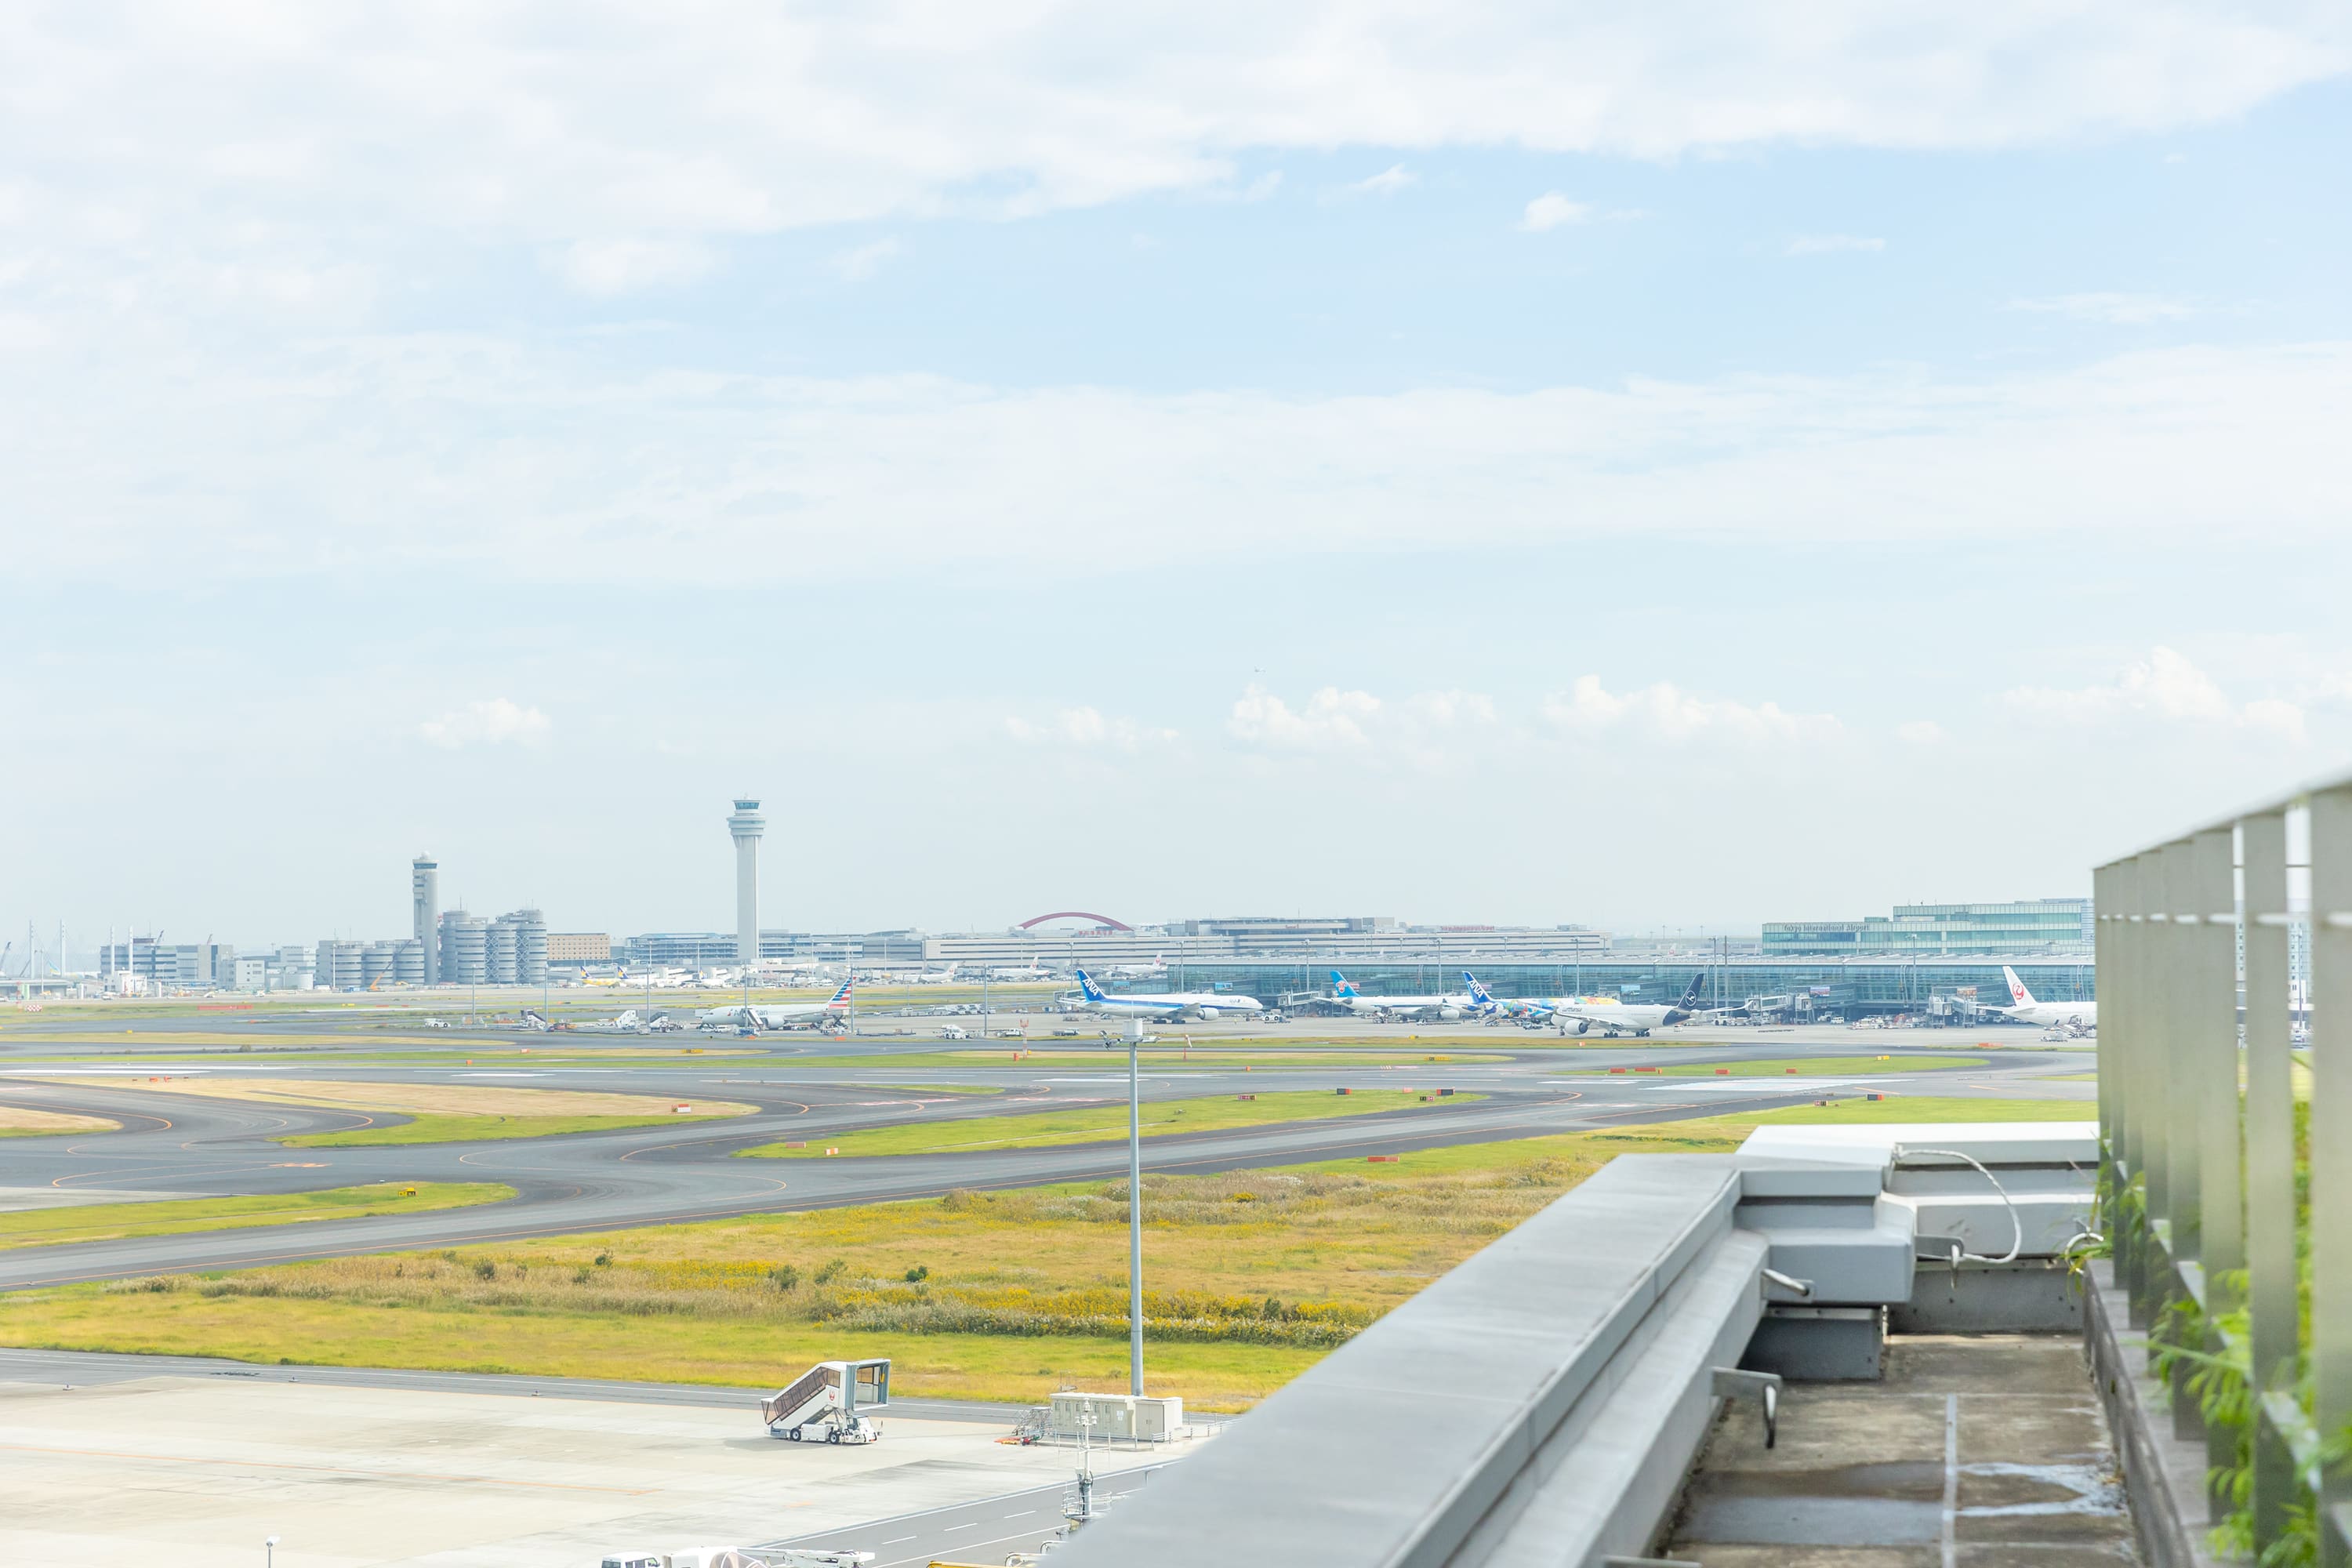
(1975, 1451)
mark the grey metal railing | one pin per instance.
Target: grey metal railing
(2219, 1258)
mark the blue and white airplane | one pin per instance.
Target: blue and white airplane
(1355, 1001)
(1165, 1003)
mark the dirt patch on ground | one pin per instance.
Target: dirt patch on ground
(424, 1099)
(17, 1119)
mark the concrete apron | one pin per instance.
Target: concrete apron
(1973, 1452)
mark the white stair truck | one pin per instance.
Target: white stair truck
(828, 1404)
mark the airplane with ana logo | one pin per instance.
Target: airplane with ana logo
(2024, 1009)
(779, 1015)
(1164, 1004)
(1344, 993)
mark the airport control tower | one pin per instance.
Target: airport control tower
(747, 825)
(424, 912)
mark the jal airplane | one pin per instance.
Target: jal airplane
(778, 1015)
(1355, 1001)
(1202, 1005)
(2024, 1009)
(1613, 1016)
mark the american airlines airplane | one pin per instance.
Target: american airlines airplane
(1166, 1004)
(1613, 1016)
(2024, 1009)
(777, 1017)
(1355, 1001)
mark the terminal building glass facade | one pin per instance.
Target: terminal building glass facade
(2026, 927)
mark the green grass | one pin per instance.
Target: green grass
(1096, 1123)
(435, 1127)
(114, 1222)
(704, 1303)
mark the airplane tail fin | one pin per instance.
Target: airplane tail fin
(2019, 997)
(1339, 986)
(1477, 992)
(1088, 988)
(1690, 992)
(841, 997)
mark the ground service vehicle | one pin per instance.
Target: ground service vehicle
(827, 1404)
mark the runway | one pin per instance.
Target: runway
(184, 1145)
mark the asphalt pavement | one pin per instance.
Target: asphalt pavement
(975, 1532)
(185, 1145)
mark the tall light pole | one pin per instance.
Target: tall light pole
(1134, 1208)
(270, 1552)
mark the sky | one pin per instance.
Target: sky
(1640, 466)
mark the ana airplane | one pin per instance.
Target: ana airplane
(1355, 1001)
(1165, 1004)
(1613, 1016)
(778, 1015)
(2024, 1009)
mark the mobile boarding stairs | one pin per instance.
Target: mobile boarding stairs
(829, 1402)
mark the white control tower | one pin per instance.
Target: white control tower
(747, 825)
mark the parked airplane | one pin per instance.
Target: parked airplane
(1355, 1001)
(777, 1016)
(1167, 1004)
(1616, 1017)
(2024, 1009)
(1152, 971)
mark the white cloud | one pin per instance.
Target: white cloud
(2166, 686)
(1664, 712)
(1427, 731)
(1332, 719)
(1830, 244)
(133, 458)
(1551, 210)
(1263, 187)
(1086, 729)
(863, 262)
(1920, 732)
(736, 116)
(495, 721)
(609, 266)
(1387, 183)
(2116, 310)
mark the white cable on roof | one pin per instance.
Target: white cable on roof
(2016, 1224)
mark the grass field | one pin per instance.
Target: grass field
(442, 1113)
(113, 1222)
(1251, 1277)
(23, 1122)
(432, 1128)
(1091, 1124)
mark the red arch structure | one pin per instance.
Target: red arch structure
(1104, 921)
